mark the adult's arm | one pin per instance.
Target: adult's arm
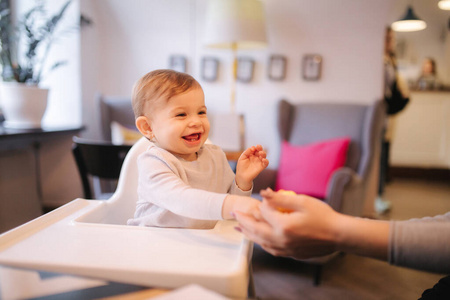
(312, 228)
(422, 244)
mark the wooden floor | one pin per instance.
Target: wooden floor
(350, 276)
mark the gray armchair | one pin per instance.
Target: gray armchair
(306, 123)
(351, 186)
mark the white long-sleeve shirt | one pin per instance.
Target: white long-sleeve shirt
(173, 192)
(422, 244)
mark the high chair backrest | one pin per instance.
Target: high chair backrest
(123, 202)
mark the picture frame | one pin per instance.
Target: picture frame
(245, 69)
(312, 67)
(209, 69)
(178, 63)
(277, 67)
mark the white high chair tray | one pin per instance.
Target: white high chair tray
(74, 240)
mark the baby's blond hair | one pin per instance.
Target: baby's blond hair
(157, 84)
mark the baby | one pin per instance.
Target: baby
(184, 182)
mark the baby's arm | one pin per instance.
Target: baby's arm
(234, 203)
(249, 165)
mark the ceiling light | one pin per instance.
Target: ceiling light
(444, 4)
(410, 22)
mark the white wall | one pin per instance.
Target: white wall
(127, 40)
(131, 38)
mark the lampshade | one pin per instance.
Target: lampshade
(235, 24)
(410, 22)
(444, 4)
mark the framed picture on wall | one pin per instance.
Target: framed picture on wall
(209, 69)
(312, 67)
(178, 63)
(277, 67)
(245, 69)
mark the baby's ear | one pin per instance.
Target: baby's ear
(144, 127)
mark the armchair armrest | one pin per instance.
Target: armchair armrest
(265, 180)
(345, 192)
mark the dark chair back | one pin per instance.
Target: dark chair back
(98, 159)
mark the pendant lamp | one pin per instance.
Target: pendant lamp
(444, 4)
(410, 22)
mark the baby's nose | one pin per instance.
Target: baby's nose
(195, 121)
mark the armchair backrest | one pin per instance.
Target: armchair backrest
(123, 202)
(306, 123)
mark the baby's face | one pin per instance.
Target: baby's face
(181, 125)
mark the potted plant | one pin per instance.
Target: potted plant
(24, 50)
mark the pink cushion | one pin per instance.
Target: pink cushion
(307, 169)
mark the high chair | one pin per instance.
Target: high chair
(89, 238)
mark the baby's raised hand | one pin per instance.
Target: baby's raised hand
(251, 162)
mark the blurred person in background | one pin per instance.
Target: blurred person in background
(396, 96)
(428, 80)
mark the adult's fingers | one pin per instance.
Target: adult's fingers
(275, 250)
(271, 214)
(258, 231)
(281, 200)
(256, 214)
(263, 234)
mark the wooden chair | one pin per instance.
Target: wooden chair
(101, 161)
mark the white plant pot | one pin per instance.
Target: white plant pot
(23, 105)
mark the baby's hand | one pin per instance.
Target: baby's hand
(249, 206)
(249, 165)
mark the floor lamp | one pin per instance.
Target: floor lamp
(235, 24)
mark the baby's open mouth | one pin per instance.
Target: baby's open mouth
(192, 137)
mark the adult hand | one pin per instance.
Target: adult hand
(307, 231)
